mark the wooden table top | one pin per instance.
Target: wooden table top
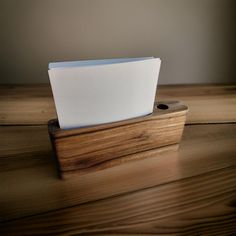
(191, 191)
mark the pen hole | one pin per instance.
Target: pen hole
(162, 106)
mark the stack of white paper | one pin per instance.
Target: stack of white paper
(101, 91)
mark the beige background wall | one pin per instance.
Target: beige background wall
(194, 38)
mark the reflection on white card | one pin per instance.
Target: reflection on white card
(101, 91)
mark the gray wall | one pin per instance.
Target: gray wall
(194, 38)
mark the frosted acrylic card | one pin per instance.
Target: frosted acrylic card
(102, 91)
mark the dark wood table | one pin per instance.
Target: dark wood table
(191, 191)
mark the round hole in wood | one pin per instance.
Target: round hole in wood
(162, 106)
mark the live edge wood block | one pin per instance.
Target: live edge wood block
(101, 146)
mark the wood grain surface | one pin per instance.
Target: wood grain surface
(84, 149)
(208, 198)
(191, 191)
(35, 188)
(33, 104)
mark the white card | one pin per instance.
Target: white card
(102, 91)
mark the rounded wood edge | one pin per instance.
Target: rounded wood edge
(174, 108)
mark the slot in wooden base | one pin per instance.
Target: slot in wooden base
(102, 146)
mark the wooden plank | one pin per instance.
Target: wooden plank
(33, 104)
(22, 141)
(30, 186)
(206, 103)
(26, 104)
(200, 205)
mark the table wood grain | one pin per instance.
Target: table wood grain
(33, 104)
(191, 191)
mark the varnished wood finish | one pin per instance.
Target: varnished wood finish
(33, 104)
(208, 103)
(26, 104)
(186, 192)
(84, 149)
(191, 206)
(29, 185)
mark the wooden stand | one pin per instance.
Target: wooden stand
(101, 146)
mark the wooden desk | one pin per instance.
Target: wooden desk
(189, 192)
